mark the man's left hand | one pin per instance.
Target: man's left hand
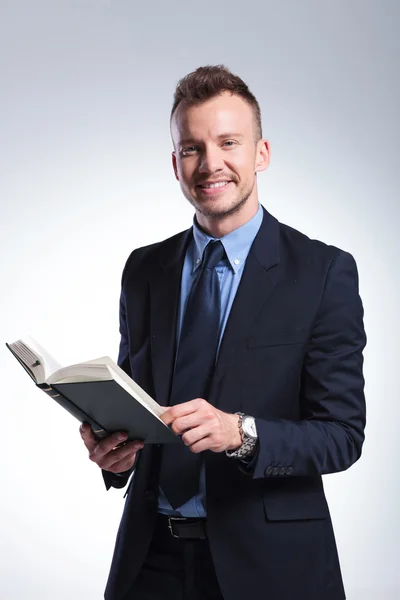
(203, 427)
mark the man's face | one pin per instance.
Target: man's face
(215, 142)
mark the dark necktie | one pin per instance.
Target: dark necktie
(194, 366)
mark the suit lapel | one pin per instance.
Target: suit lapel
(165, 286)
(259, 278)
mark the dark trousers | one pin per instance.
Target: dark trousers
(176, 569)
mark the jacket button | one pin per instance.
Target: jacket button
(268, 471)
(150, 495)
(282, 471)
(275, 471)
(289, 470)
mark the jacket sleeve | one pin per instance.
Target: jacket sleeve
(330, 434)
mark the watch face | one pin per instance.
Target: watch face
(249, 427)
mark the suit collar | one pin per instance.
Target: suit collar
(265, 249)
(174, 249)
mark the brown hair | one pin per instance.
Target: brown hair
(207, 82)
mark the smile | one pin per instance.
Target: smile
(214, 185)
(214, 189)
(217, 184)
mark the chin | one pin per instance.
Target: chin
(217, 208)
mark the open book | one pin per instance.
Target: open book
(97, 392)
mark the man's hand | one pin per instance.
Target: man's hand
(203, 426)
(105, 452)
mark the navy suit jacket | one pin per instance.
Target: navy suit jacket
(291, 356)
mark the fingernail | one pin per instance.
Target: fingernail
(121, 436)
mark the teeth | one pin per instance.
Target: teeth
(215, 185)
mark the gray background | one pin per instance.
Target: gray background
(86, 90)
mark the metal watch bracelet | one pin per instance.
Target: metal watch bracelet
(247, 446)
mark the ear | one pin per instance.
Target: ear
(263, 155)
(174, 165)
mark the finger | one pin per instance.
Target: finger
(183, 424)
(123, 465)
(195, 435)
(88, 437)
(105, 445)
(201, 439)
(180, 410)
(122, 459)
(166, 417)
(205, 414)
(110, 459)
(118, 466)
(204, 444)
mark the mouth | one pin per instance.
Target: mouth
(214, 187)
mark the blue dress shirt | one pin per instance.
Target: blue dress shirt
(237, 245)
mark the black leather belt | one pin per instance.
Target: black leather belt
(185, 528)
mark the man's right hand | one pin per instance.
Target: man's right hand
(105, 452)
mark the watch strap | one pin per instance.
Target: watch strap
(248, 444)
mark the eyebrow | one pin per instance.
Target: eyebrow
(223, 135)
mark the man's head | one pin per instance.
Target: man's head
(216, 131)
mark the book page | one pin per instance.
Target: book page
(80, 373)
(31, 362)
(49, 363)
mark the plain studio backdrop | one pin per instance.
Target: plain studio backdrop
(86, 176)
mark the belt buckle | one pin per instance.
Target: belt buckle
(170, 519)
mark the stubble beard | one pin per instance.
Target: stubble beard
(216, 213)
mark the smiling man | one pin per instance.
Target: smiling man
(218, 150)
(251, 335)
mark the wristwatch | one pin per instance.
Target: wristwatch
(248, 433)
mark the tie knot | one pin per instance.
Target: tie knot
(213, 253)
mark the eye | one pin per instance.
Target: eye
(229, 143)
(189, 150)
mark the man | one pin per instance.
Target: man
(239, 314)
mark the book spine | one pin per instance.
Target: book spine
(73, 410)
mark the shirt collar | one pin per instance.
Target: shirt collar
(237, 243)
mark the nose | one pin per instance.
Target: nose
(211, 160)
